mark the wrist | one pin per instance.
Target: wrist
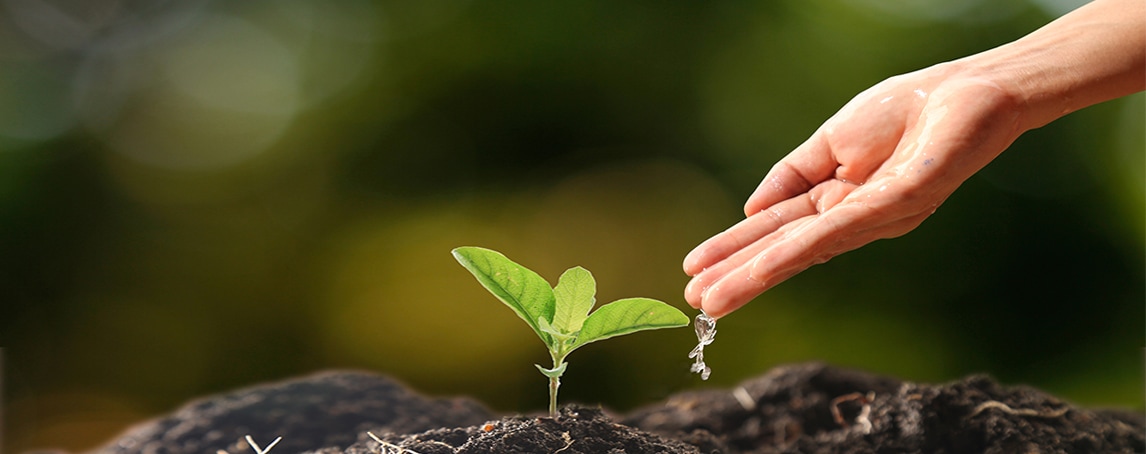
(1017, 73)
(1091, 55)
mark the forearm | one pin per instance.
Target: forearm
(1093, 54)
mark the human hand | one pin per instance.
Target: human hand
(890, 156)
(876, 169)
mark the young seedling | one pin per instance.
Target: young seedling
(560, 314)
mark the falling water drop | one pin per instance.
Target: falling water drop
(705, 332)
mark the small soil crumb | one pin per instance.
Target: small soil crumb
(820, 409)
(577, 430)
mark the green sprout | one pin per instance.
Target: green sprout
(560, 315)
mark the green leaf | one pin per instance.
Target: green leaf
(523, 290)
(558, 336)
(574, 293)
(628, 315)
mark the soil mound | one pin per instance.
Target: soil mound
(312, 412)
(577, 430)
(813, 408)
(805, 408)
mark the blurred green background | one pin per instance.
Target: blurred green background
(197, 196)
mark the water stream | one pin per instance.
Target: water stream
(705, 332)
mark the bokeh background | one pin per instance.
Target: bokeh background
(197, 196)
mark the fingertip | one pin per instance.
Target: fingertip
(703, 256)
(731, 293)
(691, 263)
(713, 312)
(760, 199)
(717, 308)
(694, 292)
(781, 183)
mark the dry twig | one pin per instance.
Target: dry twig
(568, 442)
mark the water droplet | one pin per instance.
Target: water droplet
(705, 333)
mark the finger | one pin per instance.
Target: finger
(846, 227)
(704, 289)
(787, 252)
(737, 285)
(700, 284)
(706, 276)
(745, 240)
(829, 194)
(734, 290)
(814, 244)
(692, 292)
(803, 168)
(731, 292)
(746, 232)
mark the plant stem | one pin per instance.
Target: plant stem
(554, 383)
(554, 375)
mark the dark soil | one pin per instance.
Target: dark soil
(575, 430)
(326, 409)
(809, 408)
(790, 410)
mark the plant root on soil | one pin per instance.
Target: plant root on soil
(865, 410)
(1021, 411)
(386, 447)
(568, 442)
